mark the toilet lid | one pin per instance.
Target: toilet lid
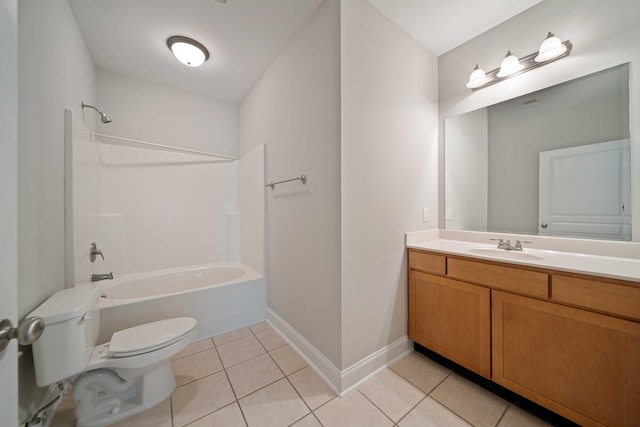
(150, 336)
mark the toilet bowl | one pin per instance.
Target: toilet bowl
(114, 380)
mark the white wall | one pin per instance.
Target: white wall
(466, 171)
(159, 113)
(604, 34)
(55, 72)
(389, 172)
(251, 206)
(295, 110)
(174, 212)
(149, 210)
(8, 202)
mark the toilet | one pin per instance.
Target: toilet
(114, 380)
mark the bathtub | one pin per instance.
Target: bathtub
(221, 297)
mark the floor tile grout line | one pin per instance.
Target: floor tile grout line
(300, 419)
(206, 415)
(437, 402)
(257, 390)
(261, 388)
(192, 354)
(414, 407)
(173, 424)
(298, 370)
(265, 347)
(453, 411)
(438, 385)
(327, 402)
(410, 384)
(376, 406)
(197, 379)
(317, 419)
(237, 401)
(236, 364)
(503, 414)
(289, 380)
(290, 383)
(416, 385)
(234, 340)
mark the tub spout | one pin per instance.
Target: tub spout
(98, 277)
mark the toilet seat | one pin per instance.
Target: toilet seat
(149, 337)
(184, 331)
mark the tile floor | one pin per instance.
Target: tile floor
(252, 377)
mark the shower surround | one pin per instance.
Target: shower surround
(151, 211)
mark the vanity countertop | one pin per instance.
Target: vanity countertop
(622, 268)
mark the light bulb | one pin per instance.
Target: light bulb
(510, 64)
(550, 48)
(477, 78)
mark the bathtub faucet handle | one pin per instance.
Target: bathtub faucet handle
(94, 252)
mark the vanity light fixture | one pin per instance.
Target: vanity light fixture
(550, 50)
(188, 51)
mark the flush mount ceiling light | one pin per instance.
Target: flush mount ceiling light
(188, 51)
(550, 50)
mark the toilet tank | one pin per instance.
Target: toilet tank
(72, 323)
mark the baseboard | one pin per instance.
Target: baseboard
(323, 366)
(340, 381)
(365, 368)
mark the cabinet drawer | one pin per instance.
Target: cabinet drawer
(430, 263)
(611, 298)
(498, 277)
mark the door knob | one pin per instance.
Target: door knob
(27, 332)
(544, 225)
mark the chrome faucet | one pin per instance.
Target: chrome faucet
(506, 245)
(98, 277)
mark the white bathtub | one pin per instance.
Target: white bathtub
(221, 297)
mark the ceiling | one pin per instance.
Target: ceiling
(245, 36)
(441, 25)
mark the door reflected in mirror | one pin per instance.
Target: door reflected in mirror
(493, 160)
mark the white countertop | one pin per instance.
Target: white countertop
(625, 268)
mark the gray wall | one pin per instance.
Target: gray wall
(389, 172)
(585, 111)
(295, 110)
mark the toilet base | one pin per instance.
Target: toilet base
(103, 397)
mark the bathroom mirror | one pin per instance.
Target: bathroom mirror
(497, 180)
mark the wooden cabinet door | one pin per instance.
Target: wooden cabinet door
(582, 365)
(451, 318)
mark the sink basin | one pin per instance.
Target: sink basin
(501, 253)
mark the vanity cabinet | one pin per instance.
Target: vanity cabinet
(582, 365)
(453, 319)
(566, 341)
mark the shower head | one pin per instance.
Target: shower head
(103, 117)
